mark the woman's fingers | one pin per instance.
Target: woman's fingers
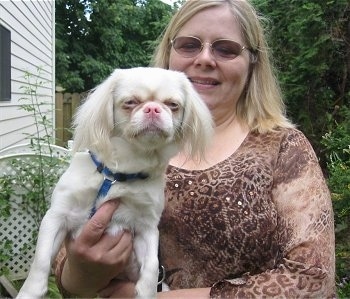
(96, 226)
(96, 246)
(95, 257)
(108, 242)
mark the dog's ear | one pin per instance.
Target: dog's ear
(94, 121)
(197, 124)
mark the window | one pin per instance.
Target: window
(5, 64)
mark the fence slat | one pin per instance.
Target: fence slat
(59, 119)
(66, 106)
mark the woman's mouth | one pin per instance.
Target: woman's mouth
(204, 81)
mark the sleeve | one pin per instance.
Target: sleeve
(305, 233)
(58, 269)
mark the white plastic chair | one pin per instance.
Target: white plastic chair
(27, 149)
(22, 223)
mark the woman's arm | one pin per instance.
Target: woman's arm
(306, 264)
(185, 294)
(123, 289)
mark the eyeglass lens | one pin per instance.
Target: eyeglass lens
(188, 46)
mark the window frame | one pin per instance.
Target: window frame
(5, 64)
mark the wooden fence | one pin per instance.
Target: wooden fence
(66, 105)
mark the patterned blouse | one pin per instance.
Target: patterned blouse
(258, 224)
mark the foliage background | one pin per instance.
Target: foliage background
(310, 43)
(117, 34)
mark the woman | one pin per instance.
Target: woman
(254, 218)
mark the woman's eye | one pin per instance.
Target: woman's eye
(189, 47)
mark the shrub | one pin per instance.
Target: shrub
(337, 144)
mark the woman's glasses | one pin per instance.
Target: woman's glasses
(222, 49)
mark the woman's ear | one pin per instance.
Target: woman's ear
(94, 120)
(197, 124)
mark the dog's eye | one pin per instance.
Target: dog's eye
(172, 105)
(131, 104)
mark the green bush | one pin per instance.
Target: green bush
(337, 145)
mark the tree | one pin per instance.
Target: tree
(311, 48)
(118, 34)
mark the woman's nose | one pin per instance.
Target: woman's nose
(206, 57)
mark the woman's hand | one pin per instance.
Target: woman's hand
(94, 258)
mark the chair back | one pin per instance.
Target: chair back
(27, 179)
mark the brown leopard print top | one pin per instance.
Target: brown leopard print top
(258, 224)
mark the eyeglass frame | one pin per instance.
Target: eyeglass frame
(242, 47)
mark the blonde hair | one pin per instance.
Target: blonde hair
(260, 106)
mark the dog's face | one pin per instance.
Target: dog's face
(148, 107)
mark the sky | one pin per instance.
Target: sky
(168, 1)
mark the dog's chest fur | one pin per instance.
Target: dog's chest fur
(141, 201)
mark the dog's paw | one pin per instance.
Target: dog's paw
(145, 292)
(34, 287)
(30, 291)
(28, 295)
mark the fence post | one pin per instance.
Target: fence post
(66, 106)
(59, 119)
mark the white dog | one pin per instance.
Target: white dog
(132, 124)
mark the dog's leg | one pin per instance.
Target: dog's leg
(51, 236)
(146, 248)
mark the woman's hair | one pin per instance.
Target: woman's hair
(260, 105)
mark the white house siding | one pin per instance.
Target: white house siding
(31, 24)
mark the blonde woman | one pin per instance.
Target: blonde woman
(254, 219)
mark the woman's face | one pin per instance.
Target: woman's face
(220, 83)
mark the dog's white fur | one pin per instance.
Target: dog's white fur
(135, 121)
